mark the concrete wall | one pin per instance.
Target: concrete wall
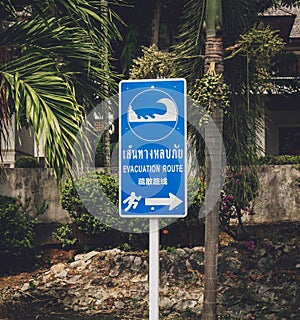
(278, 200)
(39, 185)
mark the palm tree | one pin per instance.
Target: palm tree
(203, 27)
(213, 63)
(156, 22)
(51, 69)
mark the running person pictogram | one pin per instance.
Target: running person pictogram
(132, 200)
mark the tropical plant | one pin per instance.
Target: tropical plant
(88, 192)
(237, 199)
(154, 64)
(208, 27)
(279, 160)
(27, 162)
(53, 64)
(16, 227)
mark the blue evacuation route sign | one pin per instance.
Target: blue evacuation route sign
(152, 159)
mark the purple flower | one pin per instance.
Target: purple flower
(228, 198)
(224, 208)
(250, 245)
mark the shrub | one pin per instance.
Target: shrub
(92, 188)
(64, 235)
(154, 64)
(239, 190)
(16, 227)
(279, 160)
(196, 194)
(27, 162)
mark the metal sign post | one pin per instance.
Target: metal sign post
(152, 160)
(154, 268)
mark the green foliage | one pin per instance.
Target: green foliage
(195, 195)
(247, 71)
(53, 60)
(92, 188)
(260, 44)
(170, 249)
(64, 235)
(191, 40)
(239, 190)
(242, 183)
(154, 64)
(125, 246)
(26, 162)
(279, 160)
(211, 91)
(129, 49)
(16, 227)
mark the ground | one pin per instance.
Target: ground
(258, 279)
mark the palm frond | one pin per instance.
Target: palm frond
(57, 62)
(51, 110)
(191, 39)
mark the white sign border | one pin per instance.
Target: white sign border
(185, 151)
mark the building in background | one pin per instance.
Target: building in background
(282, 134)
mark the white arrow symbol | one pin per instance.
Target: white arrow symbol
(172, 201)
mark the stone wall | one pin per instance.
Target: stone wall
(113, 284)
(278, 200)
(279, 197)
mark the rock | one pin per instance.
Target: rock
(80, 264)
(166, 303)
(262, 252)
(46, 277)
(114, 272)
(74, 279)
(25, 287)
(137, 261)
(140, 278)
(119, 304)
(117, 282)
(127, 260)
(87, 256)
(286, 249)
(109, 254)
(196, 263)
(181, 253)
(185, 304)
(57, 268)
(62, 274)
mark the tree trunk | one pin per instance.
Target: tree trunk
(214, 62)
(156, 22)
(106, 134)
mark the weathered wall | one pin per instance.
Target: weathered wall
(278, 200)
(37, 184)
